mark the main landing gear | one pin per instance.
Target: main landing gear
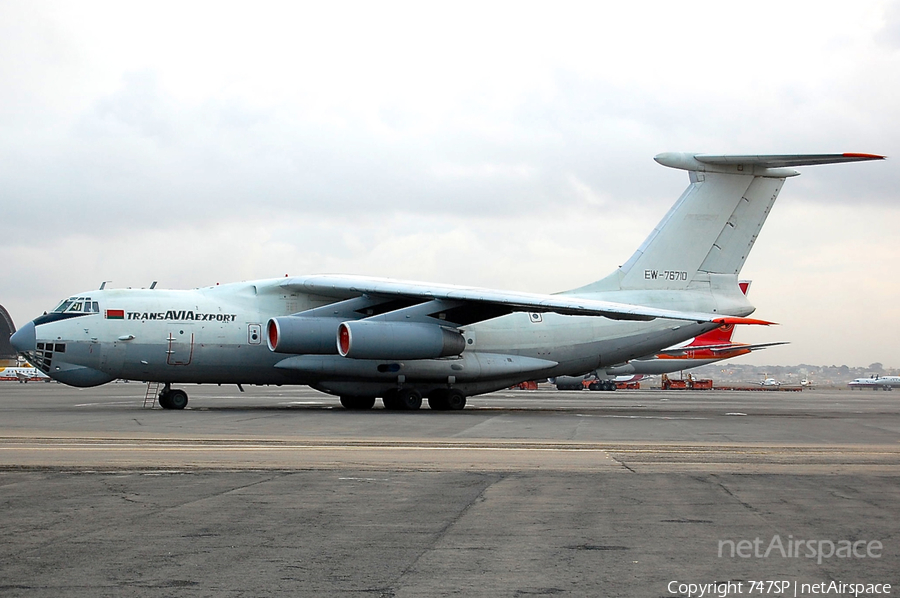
(447, 400)
(172, 398)
(409, 399)
(602, 385)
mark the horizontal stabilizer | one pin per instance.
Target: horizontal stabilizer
(723, 348)
(752, 321)
(787, 160)
(759, 165)
(757, 346)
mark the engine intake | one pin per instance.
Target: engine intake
(302, 336)
(365, 339)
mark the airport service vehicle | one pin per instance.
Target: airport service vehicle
(364, 338)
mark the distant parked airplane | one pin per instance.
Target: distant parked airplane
(875, 383)
(22, 374)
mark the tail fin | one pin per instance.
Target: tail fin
(707, 235)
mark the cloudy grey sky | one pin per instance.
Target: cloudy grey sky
(506, 145)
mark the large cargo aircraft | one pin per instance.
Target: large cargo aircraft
(365, 338)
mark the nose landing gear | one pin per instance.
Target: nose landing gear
(172, 398)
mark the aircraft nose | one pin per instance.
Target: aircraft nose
(24, 338)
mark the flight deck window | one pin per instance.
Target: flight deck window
(63, 306)
(95, 307)
(75, 307)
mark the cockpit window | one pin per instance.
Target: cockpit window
(63, 305)
(77, 305)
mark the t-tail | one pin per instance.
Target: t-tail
(703, 241)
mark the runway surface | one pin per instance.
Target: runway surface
(280, 491)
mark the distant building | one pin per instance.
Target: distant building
(7, 353)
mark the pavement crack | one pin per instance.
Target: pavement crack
(445, 529)
(622, 463)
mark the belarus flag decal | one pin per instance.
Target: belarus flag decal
(115, 314)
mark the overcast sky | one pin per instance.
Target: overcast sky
(506, 145)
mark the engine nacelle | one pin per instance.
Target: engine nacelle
(302, 336)
(364, 339)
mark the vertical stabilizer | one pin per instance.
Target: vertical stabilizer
(705, 238)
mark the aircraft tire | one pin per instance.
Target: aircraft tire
(390, 400)
(355, 403)
(596, 386)
(164, 401)
(438, 400)
(178, 399)
(410, 399)
(456, 401)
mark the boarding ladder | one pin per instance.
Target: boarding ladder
(151, 395)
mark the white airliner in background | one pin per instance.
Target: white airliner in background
(366, 338)
(876, 382)
(22, 374)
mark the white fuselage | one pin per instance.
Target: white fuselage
(876, 382)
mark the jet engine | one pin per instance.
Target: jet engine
(365, 339)
(302, 336)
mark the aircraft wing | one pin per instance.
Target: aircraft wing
(472, 304)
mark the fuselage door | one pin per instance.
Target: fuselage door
(180, 347)
(254, 334)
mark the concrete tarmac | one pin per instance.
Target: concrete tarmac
(280, 491)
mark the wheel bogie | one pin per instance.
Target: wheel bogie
(602, 385)
(444, 399)
(402, 399)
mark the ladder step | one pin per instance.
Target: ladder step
(151, 395)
